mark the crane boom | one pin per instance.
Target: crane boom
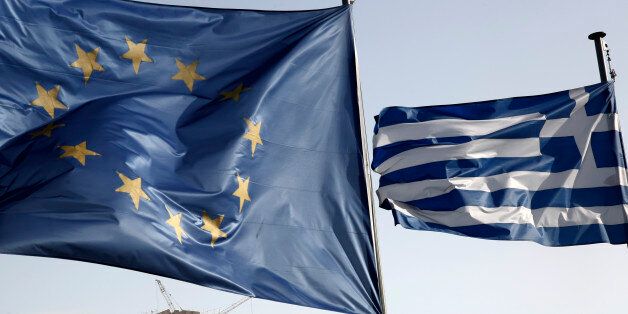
(234, 305)
(166, 295)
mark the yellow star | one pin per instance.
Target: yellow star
(47, 130)
(252, 134)
(235, 93)
(134, 188)
(187, 74)
(213, 226)
(136, 53)
(87, 62)
(48, 99)
(175, 222)
(78, 152)
(243, 191)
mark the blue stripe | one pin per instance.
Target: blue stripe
(607, 149)
(601, 100)
(548, 236)
(555, 105)
(528, 129)
(584, 197)
(558, 154)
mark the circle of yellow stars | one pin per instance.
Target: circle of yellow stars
(87, 62)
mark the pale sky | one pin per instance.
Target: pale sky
(415, 53)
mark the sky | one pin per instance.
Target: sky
(414, 53)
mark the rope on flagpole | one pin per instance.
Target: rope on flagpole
(610, 65)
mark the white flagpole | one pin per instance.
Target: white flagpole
(367, 170)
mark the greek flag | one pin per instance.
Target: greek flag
(548, 169)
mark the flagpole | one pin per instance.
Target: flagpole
(367, 170)
(600, 47)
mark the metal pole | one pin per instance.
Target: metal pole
(600, 47)
(346, 2)
(367, 174)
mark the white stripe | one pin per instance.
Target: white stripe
(482, 148)
(525, 180)
(447, 128)
(545, 217)
(580, 125)
(581, 97)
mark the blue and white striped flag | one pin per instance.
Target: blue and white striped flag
(547, 168)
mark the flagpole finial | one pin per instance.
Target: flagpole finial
(596, 35)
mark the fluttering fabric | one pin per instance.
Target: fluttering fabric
(219, 147)
(549, 169)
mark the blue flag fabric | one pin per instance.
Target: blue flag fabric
(219, 147)
(549, 169)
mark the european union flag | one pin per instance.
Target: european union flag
(219, 147)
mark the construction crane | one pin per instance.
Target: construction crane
(167, 296)
(234, 305)
(173, 309)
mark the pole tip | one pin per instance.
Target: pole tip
(597, 35)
